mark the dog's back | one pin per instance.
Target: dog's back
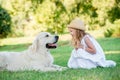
(11, 60)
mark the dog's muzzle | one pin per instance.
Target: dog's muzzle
(53, 45)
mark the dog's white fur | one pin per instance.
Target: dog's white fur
(36, 57)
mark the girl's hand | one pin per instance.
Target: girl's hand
(79, 45)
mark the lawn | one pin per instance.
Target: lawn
(111, 47)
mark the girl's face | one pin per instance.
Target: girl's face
(72, 31)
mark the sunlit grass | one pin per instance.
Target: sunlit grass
(111, 52)
(15, 41)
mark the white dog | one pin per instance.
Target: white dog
(37, 57)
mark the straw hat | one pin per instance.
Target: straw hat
(77, 24)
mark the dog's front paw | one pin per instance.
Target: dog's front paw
(62, 68)
(59, 68)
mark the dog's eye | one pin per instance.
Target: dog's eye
(47, 36)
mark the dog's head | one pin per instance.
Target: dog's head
(45, 40)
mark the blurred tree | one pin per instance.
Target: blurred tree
(102, 7)
(5, 22)
(114, 13)
(57, 19)
(32, 16)
(85, 10)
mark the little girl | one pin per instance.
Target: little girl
(87, 52)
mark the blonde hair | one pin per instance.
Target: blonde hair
(79, 35)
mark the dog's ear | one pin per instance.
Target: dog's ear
(34, 46)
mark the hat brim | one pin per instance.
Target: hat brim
(69, 26)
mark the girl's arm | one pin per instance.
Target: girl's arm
(90, 47)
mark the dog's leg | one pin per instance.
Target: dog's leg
(49, 68)
(53, 68)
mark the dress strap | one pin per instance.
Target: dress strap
(83, 40)
(86, 36)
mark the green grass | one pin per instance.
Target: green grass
(111, 47)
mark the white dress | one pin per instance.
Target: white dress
(82, 59)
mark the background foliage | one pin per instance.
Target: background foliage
(5, 21)
(29, 17)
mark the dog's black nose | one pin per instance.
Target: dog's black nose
(56, 37)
